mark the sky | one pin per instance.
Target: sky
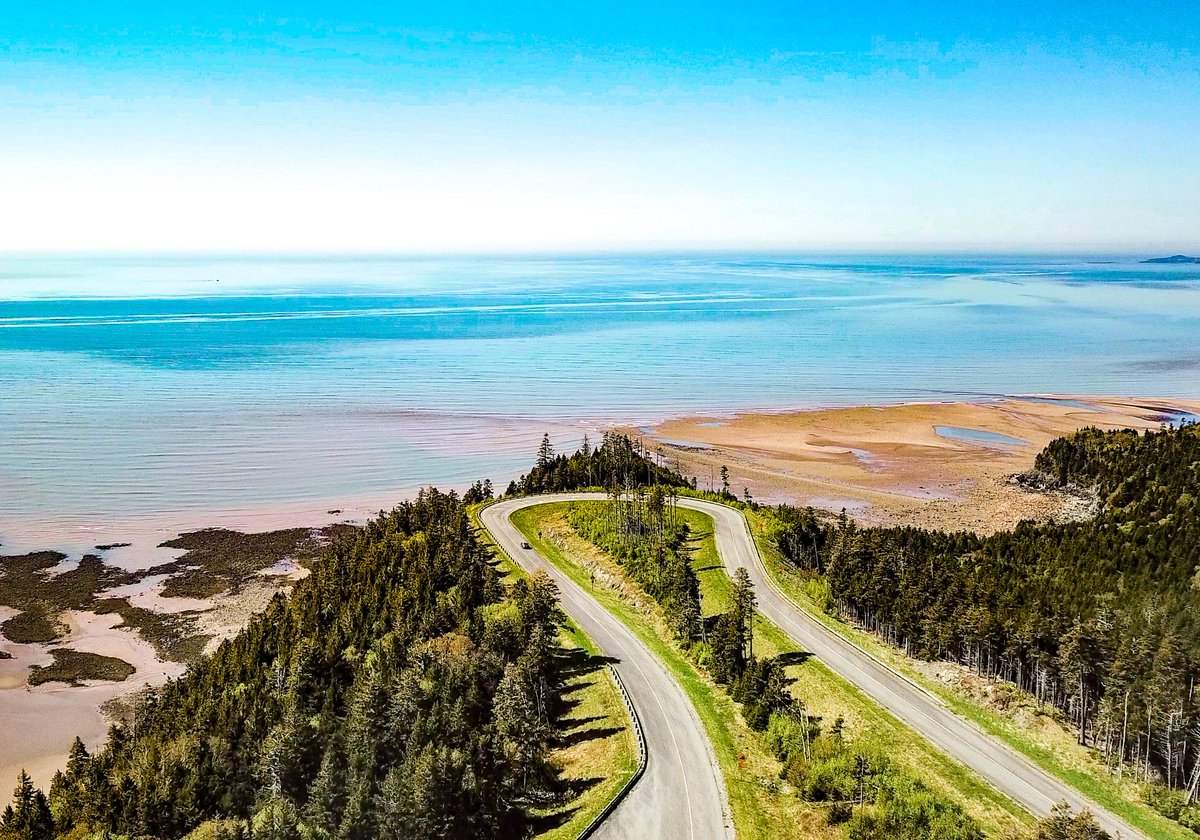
(479, 127)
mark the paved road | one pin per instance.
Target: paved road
(682, 793)
(1005, 769)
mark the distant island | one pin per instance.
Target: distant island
(1178, 259)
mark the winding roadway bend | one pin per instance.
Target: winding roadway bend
(682, 793)
(1004, 768)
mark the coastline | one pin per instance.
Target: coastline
(41, 721)
(882, 463)
(935, 464)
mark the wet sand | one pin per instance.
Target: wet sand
(39, 722)
(890, 465)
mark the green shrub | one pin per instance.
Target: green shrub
(1167, 801)
(1189, 817)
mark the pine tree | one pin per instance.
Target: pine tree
(517, 719)
(1063, 825)
(77, 760)
(744, 602)
(28, 817)
(545, 452)
(327, 796)
(728, 653)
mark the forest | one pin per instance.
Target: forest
(619, 461)
(400, 690)
(1097, 617)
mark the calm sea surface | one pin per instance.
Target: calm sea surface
(151, 386)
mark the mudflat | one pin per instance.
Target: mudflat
(946, 465)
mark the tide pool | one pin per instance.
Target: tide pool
(978, 436)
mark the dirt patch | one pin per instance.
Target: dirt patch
(999, 696)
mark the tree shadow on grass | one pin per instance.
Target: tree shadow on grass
(541, 823)
(572, 790)
(566, 724)
(578, 736)
(795, 657)
(576, 667)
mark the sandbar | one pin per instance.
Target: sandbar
(889, 464)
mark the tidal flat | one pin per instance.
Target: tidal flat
(81, 636)
(894, 464)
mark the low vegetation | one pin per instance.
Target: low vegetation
(593, 748)
(215, 561)
(173, 635)
(74, 667)
(219, 560)
(26, 584)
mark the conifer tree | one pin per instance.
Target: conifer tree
(545, 452)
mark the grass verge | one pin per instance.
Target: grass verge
(829, 696)
(743, 760)
(1052, 748)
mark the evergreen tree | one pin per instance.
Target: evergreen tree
(28, 817)
(1097, 617)
(1064, 825)
(545, 452)
(744, 602)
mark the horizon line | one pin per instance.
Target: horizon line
(616, 251)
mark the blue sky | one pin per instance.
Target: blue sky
(563, 126)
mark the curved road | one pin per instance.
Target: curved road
(682, 794)
(1002, 767)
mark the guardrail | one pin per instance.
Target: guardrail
(640, 736)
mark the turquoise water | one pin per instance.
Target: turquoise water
(150, 385)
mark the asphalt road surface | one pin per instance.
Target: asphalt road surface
(1005, 769)
(682, 793)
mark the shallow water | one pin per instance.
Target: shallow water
(170, 389)
(978, 436)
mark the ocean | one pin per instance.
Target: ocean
(172, 387)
